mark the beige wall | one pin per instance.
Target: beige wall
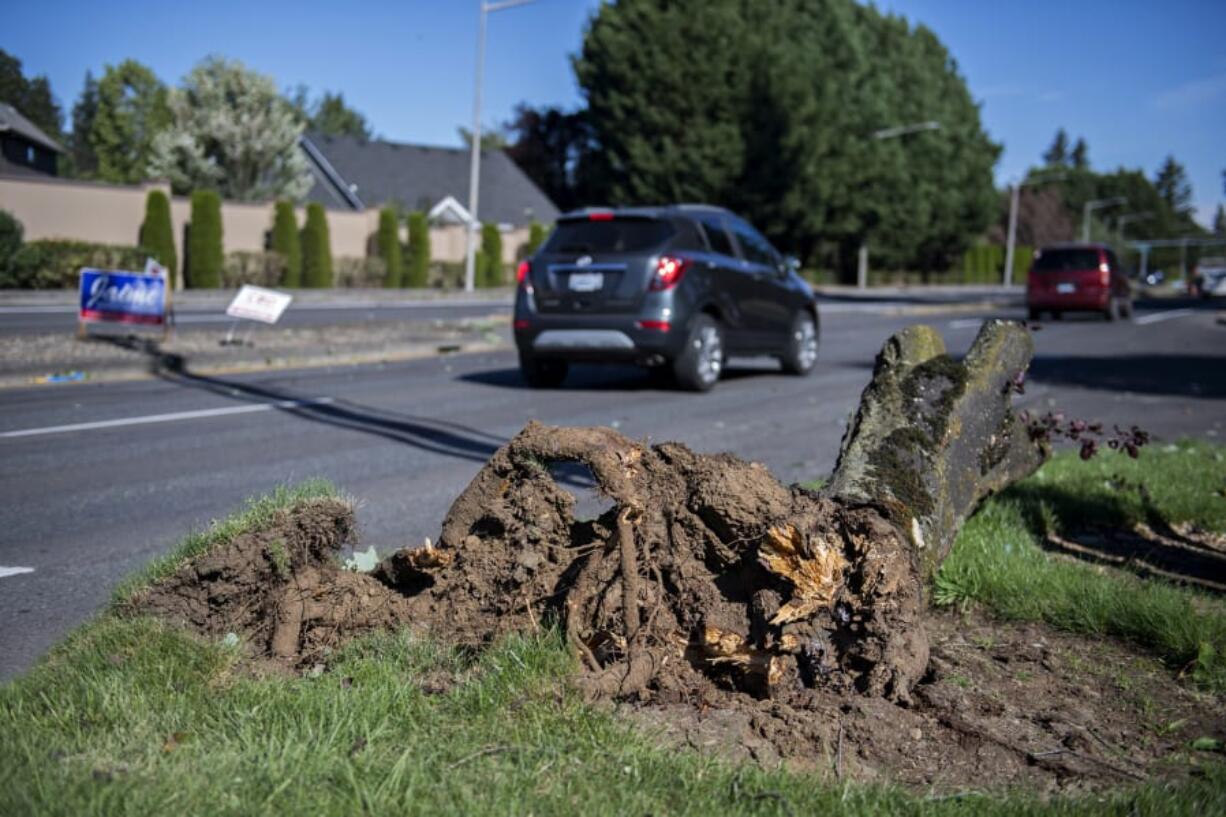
(112, 214)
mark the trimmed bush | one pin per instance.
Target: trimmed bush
(10, 240)
(316, 249)
(536, 236)
(359, 273)
(157, 232)
(489, 261)
(266, 269)
(205, 256)
(418, 272)
(286, 243)
(56, 264)
(388, 240)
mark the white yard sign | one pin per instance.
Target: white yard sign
(258, 304)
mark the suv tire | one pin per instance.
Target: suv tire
(800, 354)
(701, 361)
(542, 373)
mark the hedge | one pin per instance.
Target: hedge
(157, 232)
(418, 273)
(205, 256)
(56, 263)
(316, 249)
(11, 232)
(388, 241)
(266, 269)
(359, 273)
(286, 243)
(489, 260)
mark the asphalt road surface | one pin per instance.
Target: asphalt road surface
(97, 479)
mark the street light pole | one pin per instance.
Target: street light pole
(1014, 201)
(474, 164)
(887, 133)
(1096, 204)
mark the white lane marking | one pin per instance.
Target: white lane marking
(967, 323)
(167, 418)
(5, 572)
(1162, 316)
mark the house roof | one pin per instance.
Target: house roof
(354, 173)
(12, 120)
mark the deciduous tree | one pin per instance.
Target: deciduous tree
(131, 109)
(231, 130)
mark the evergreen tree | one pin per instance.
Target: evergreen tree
(388, 240)
(1057, 154)
(131, 110)
(204, 246)
(419, 251)
(490, 273)
(1219, 222)
(157, 231)
(84, 159)
(286, 241)
(1081, 155)
(1173, 186)
(536, 236)
(32, 97)
(316, 249)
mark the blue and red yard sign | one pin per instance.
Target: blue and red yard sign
(123, 297)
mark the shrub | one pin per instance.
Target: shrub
(388, 241)
(286, 243)
(359, 273)
(10, 240)
(266, 269)
(536, 236)
(316, 249)
(417, 275)
(489, 266)
(205, 256)
(56, 264)
(157, 232)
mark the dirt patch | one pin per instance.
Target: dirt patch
(1003, 705)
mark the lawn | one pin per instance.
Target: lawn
(130, 716)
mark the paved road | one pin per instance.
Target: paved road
(39, 319)
(84, 506)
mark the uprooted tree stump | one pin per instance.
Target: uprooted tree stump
(708, 564)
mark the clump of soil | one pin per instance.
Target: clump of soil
(280, 588)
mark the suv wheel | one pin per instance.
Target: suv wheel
(701, 362)
(800, 354)
(542, 373)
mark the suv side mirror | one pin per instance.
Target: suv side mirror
(792, 264)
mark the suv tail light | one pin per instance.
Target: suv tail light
(1104, 273)
(521, 272)
(669, 270)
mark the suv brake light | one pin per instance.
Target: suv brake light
(521, 272)
(669, 271)
(1104, 272)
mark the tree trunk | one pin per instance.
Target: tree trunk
(706, 564)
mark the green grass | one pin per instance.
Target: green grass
(131, 716)
(998, 563)
(257, 514)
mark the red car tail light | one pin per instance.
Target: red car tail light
(669, 271)
(521, 272)
(1104, 274)
(600, 215)
(659, 326)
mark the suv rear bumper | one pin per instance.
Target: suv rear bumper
(596, 338)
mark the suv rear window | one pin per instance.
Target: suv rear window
(617, 235)
(1066, 260)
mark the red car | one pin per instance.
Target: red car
(1078, 278)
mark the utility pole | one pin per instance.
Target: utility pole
(887, 133)
(1091, 206)
(1015, 192)
(474, 164)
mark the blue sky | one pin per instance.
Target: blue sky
(1137, 79)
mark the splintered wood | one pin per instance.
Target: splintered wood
(814, 568)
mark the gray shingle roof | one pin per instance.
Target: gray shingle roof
(418, 177)
(12, 120)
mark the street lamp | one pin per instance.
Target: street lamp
(1014, 196)
(474, 165)
(887, 133)
(1096, 204)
